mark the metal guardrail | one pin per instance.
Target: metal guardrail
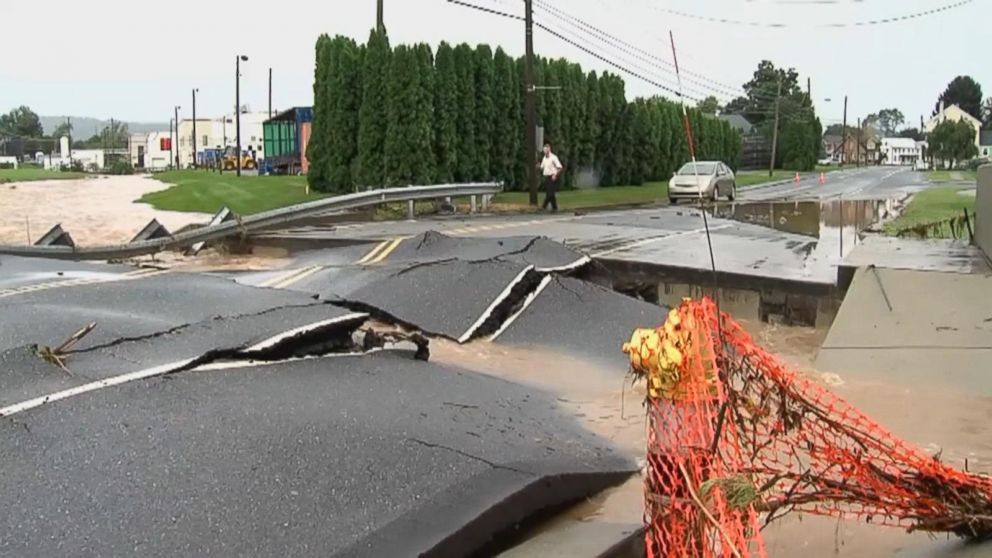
(258, 221)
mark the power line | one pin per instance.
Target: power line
(613, 40)
(726, 91)
(650, 70)
(576, 44)
(837, 25)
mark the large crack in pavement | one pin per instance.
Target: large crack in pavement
(179, 328)
(338, 336)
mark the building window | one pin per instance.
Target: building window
(206, 140)
(253, 139)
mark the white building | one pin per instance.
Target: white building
(900, 151)
(91, 159)
(149, 150)
(218, 133)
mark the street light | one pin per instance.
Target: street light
(237, 106)
(195, 91)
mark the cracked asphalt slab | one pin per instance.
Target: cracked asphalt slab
(130, 308)
(538, 251)
(188, 341)
(350, 456)
(583, 319)
(379, 454)
(446, 297)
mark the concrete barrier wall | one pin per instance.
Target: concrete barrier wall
(983, 208)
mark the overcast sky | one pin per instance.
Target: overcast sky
(136, 60)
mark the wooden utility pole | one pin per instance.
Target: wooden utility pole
(379, 24)
(857, 157)
(530, 102)
(778, 104)
(843, 141)
(809, 89)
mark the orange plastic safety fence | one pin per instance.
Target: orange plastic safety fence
(736, 439)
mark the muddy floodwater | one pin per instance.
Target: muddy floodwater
(936, 417)
(95, 211)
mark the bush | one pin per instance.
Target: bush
(121, 167)
(973, 164)
(6, 166)
(74, 166)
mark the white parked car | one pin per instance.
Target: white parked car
(707, 179)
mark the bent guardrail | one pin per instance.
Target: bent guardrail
(258, 221)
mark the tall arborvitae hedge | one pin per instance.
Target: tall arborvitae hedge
(345, 94)
(485, 112)
(394, 116)
(445, 114)
(317, 148)
(508, 127)
(468, 156)
(373, 115)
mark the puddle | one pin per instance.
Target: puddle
(821, 220)
(834, 229)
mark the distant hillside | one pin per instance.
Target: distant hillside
(84, 127)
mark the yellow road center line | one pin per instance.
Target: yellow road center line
(81, 281)
(298, 277)
(389, 250)
(373, 253)
(273, 281)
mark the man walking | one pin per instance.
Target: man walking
(551, 168)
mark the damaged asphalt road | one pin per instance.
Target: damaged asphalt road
(373, 456)
(204, 416)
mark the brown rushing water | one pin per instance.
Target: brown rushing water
(936, 417)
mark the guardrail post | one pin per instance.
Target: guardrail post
(410, 210)
(473, 204)
(485, 203)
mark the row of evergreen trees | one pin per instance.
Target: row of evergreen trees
(388, 116)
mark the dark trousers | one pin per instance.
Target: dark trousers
(550, 191)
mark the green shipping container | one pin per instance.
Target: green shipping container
(280, 138)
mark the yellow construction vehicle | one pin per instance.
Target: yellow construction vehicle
(230, 160)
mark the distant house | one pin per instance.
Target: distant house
(867, 153)
(738, 123)
(985, 144)
(756, 149)
(832, 147)
(900, 151)
(954, 113)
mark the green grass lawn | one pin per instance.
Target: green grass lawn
(30, 174)
(929, 206)
(206, 192)
(948, 176)
(652, 192)
(753, 178)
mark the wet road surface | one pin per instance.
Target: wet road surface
(851, 183)
(207, 416)
(166, 434)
